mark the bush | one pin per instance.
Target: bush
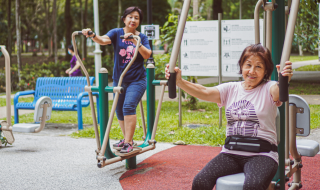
(160, 63)
(30, 72)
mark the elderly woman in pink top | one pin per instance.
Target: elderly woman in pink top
(251, 109)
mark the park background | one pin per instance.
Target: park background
(36, 33)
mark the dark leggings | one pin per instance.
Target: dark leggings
(258, 171)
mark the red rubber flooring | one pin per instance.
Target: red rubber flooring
(176, 167)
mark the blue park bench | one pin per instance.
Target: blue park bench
(67, 94)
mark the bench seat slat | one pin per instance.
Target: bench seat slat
(63, 91)
(57, 105)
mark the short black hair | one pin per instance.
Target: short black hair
(130, 10)
(71, 48)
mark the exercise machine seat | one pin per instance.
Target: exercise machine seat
(230, 182)
(307, 148)
(31, 127)
(25, 127)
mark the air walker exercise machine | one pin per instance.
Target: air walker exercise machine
(104, 154)
(42, 111)
(297, 110)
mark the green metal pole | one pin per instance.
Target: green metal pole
(131, 163)
(278, 34)
(150, 103)
(104, 110)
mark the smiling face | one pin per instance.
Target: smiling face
(132, 20)
(253, 70)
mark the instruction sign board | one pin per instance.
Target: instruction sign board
(199, 49)
(151, 31)
(236, 35)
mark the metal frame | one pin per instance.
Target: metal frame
(290, 139)
(268, 7)
(104, 154)
(6, 126)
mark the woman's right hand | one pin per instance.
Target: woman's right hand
(85, 32)
(178, 73)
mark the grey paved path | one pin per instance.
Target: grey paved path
(303, 63)
(3, 112)
(51, 160)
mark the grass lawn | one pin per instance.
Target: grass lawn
(308, 68)
(297, 58)
(304, 88)
(3, 101)
(168, 130)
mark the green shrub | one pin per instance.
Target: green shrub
(160, 63)
(30, 72)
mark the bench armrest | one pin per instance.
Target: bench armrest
(22, 93)
(83, 94)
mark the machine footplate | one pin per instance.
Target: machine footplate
(9, 136)
(134, 151)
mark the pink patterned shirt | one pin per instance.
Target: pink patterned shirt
(250, 113)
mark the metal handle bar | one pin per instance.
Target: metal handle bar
(175, 49)
(8, 83)
(283, 81)
(89, 93)
(129, 37)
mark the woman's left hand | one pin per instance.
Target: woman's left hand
(287, 70)
(126, 35)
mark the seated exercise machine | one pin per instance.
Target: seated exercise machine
(42, 112)
(299, 125)
(104, 155)
(297, 110)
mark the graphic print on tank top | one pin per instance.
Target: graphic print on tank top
(127, 54)
(242, 119)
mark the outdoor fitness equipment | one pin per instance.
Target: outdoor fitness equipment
(299, 124)
(299, 111)
(42, 109)
(104, 154)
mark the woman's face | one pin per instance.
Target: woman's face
(132, 20)
(70, 51)
(253, 70)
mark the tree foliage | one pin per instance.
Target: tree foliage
(306, 30)
(35, 14)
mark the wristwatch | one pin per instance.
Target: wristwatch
(93, 36)
(140, 45)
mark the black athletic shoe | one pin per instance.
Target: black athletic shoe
(126, 148)
(118, 145)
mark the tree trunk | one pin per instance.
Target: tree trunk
(84, 26)
(54, 15)
(26, 44)
(119, 13)
(83, 39)
(217, 8)
(68, 19)
(40, 41)
(9, 48)
(18, 38)
(47, 11)
(209, 13)
(195, 9)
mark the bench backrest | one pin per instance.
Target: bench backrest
(61, 88)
